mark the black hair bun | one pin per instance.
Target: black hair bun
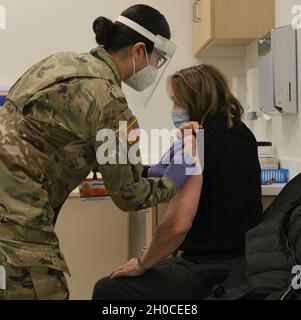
(103, 29)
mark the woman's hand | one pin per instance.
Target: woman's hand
(193, 125)
(130, 269)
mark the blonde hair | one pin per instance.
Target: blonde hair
(204, 91)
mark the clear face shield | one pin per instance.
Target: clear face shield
(145, 82)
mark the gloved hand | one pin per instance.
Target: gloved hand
(157, 171)
(182, 167)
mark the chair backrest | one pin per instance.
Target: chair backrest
(273, 249)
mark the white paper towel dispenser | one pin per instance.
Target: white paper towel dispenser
(284, 47)
(266, 81)
(278, 75)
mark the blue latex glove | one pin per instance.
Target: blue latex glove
(157, 171)
(180, 173)
(170, 154)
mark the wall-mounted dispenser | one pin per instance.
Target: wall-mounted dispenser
(278, 71)
(266, 81)
(284, 47)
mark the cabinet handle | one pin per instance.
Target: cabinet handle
(290, 91)
(195, 18)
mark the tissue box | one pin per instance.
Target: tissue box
(269, 161)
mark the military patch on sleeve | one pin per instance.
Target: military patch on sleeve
(133, 132)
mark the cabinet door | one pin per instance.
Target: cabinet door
(94, 238)
(243, 19)
(202, 24)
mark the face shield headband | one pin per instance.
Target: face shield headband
(158, 61)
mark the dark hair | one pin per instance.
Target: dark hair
(116, 36)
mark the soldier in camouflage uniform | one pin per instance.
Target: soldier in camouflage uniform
(48, 146)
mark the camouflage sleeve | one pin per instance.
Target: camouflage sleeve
(127, 188)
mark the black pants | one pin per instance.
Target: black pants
(173, 279)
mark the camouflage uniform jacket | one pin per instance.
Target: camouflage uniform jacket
(48, 130)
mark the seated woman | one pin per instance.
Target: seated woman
(208, 218)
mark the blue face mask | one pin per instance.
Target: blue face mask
(180, 117)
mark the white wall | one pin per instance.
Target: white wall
(37, 28)
(284, 132)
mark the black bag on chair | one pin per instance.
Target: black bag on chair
(273, 249)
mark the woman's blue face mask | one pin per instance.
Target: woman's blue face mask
(180, 116)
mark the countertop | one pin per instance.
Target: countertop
(271, 190)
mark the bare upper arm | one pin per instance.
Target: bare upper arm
(183, 207)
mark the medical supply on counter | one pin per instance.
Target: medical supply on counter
(269, 162)
(93, 189)
(271, 176)
(267, 158)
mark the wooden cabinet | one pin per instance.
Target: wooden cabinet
(230, 23)
(202, 24)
